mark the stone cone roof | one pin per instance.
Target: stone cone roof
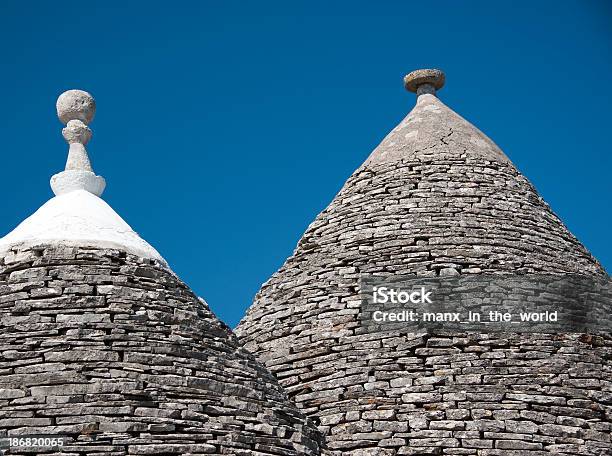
(117, 356)
(103, 347)
(435, 198)
(445, 193)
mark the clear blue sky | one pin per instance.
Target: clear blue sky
(223, 128)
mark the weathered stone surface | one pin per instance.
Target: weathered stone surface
(436, 198)
(120, 358)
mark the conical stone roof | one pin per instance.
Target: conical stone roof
(103, 347)
(435, 198)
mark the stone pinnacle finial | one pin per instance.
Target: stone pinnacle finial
(76, 109)
(424, 81)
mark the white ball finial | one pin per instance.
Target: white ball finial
(76, 109)
(76, 105)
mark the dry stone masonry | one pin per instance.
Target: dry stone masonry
(103, 346)
(436, 198)
(117, 356)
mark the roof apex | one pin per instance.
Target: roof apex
(433, 125)
(76, 216)
(81, 219)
